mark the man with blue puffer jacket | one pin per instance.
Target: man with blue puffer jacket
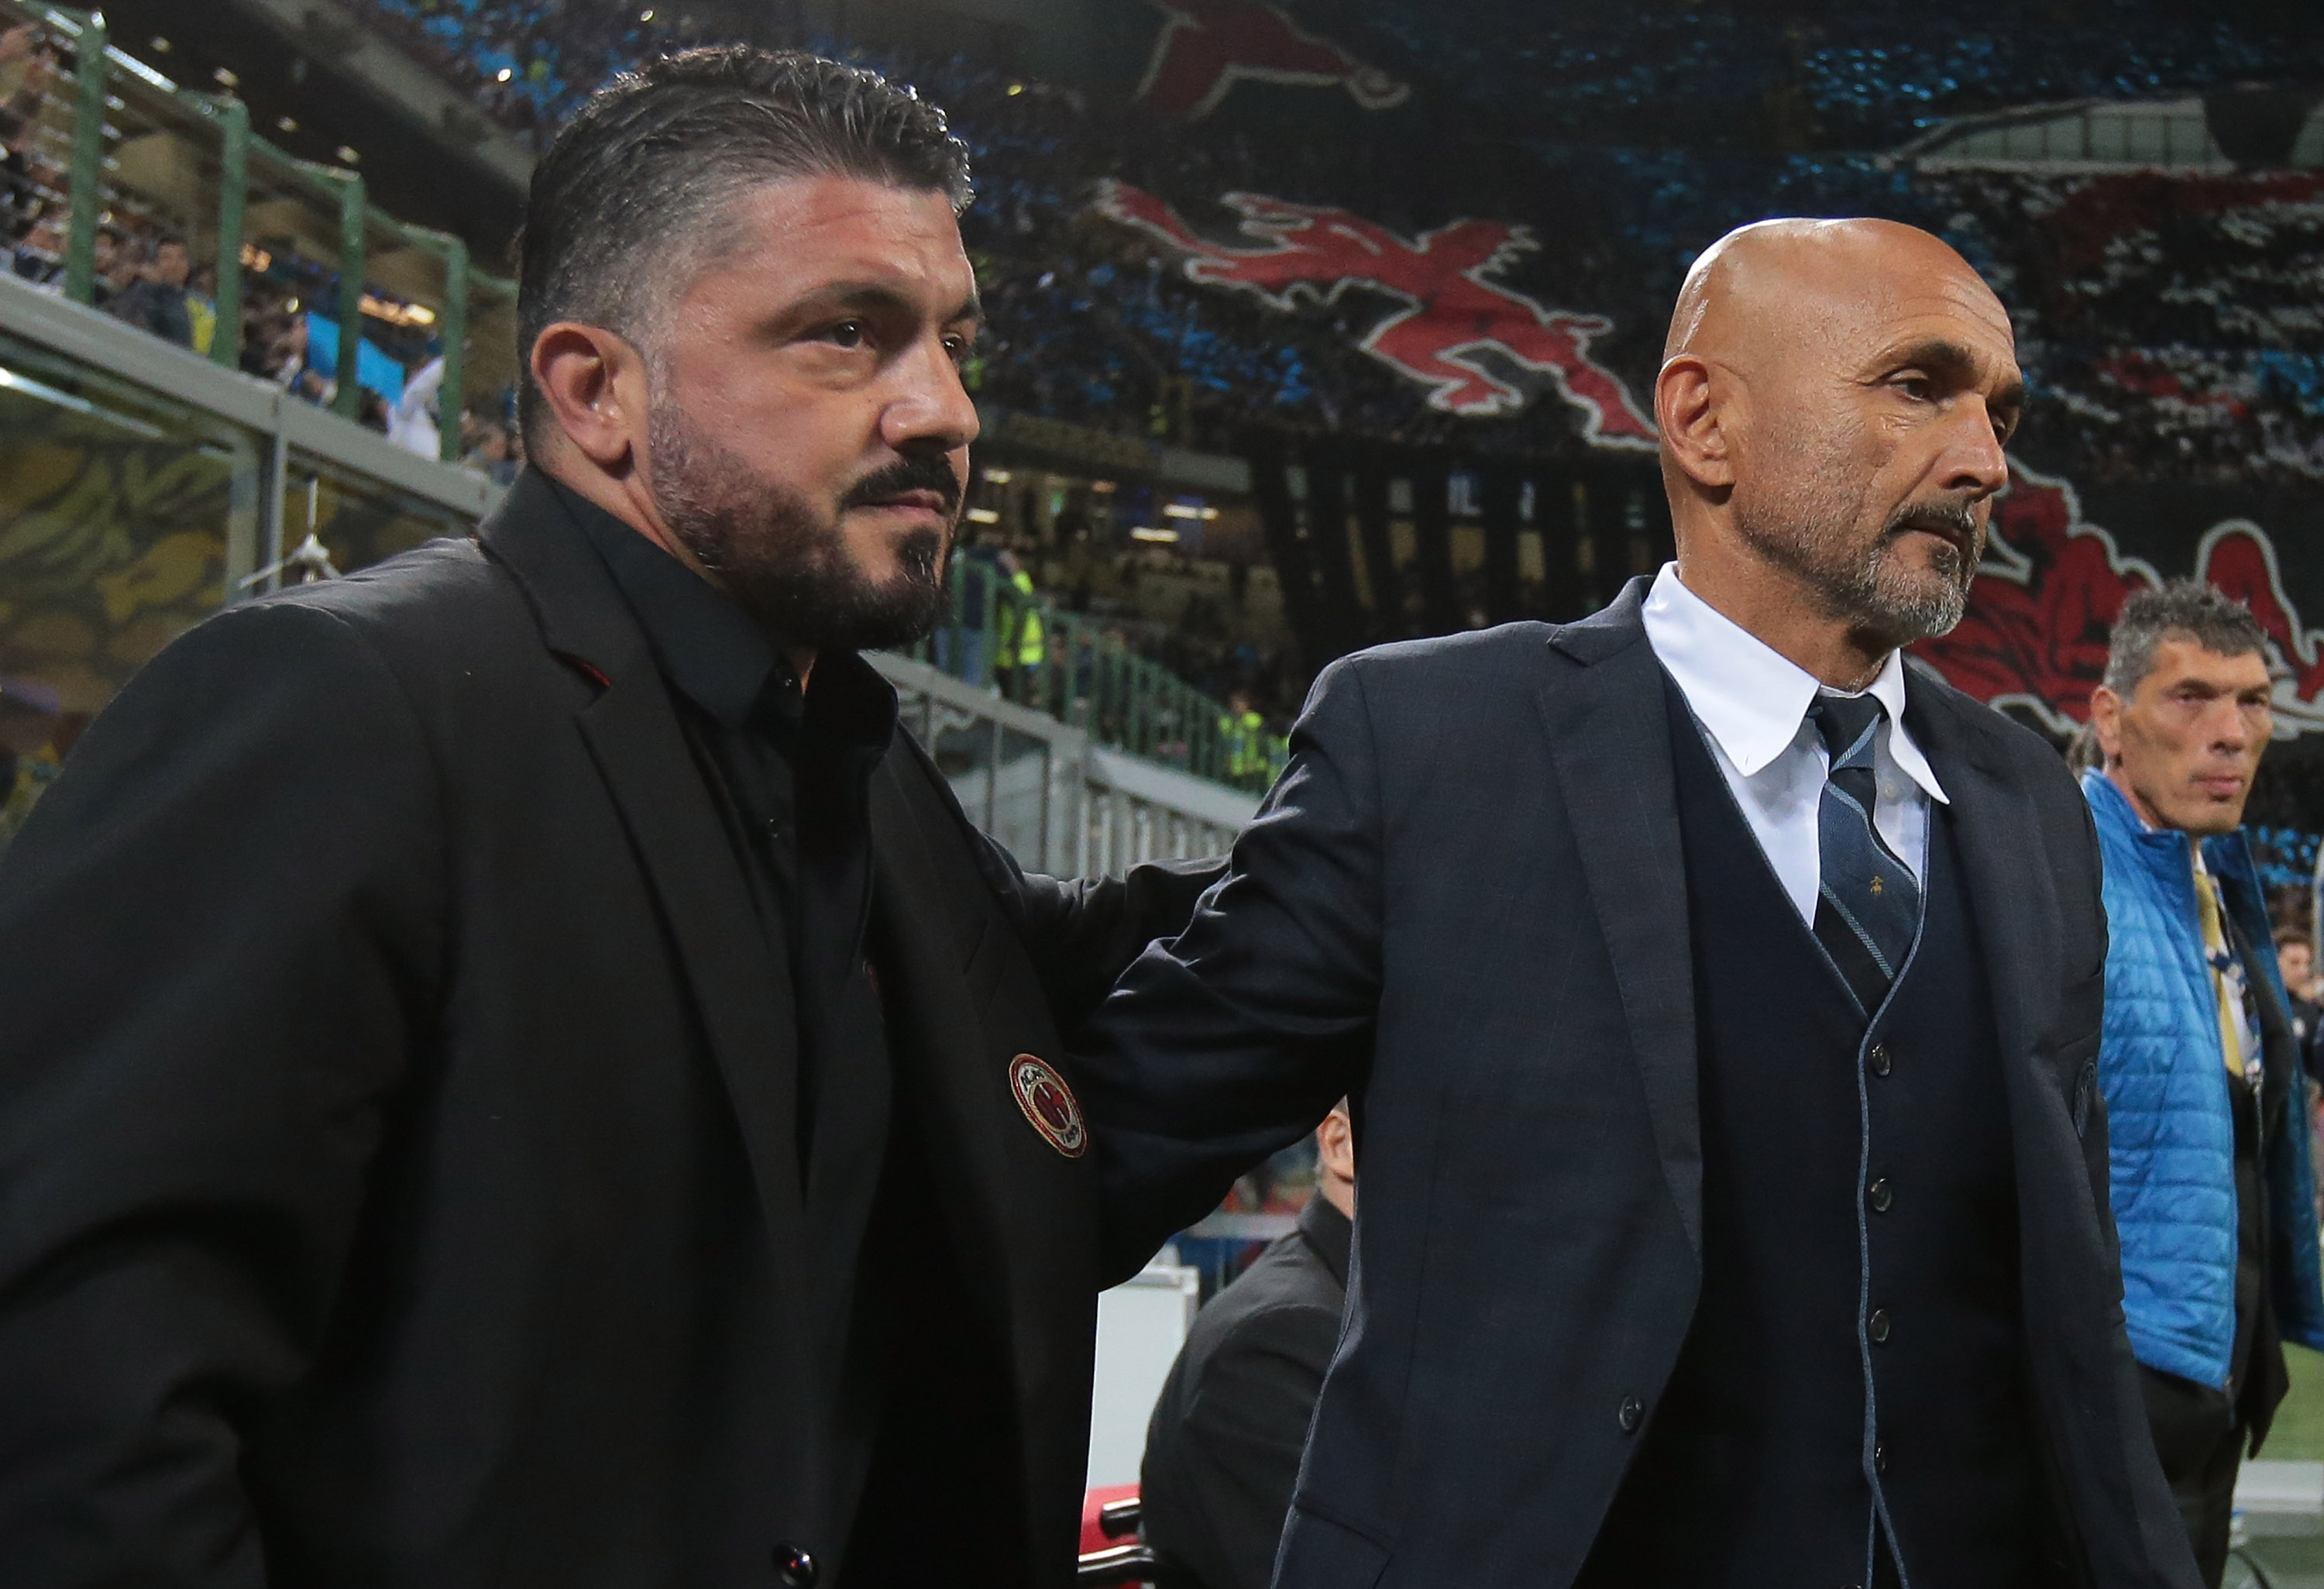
(2199, 1065)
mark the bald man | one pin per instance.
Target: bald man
(1720, 1000)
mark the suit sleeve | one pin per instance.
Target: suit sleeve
(216, 937)
(1238, 1449)
(1081, 933)
(1233, 1039)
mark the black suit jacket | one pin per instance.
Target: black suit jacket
(1223, 1448)
(1464, 904)
(398, 1179)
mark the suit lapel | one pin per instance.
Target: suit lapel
(1994, 825)
(1610, 737)
(958, 1103)
(632, 735)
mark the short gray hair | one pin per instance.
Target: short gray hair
(2184, 609)
(633, 195)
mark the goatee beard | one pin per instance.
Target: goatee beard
(784, 561)
(1870, 590)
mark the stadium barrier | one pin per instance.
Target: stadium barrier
(142, 488)
(127, 140)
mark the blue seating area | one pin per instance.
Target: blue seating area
(1626, 141)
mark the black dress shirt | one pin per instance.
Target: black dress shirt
(789, 771)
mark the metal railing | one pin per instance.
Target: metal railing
(203, 145)
(997, 638)
(166, 488)
(1058, 801)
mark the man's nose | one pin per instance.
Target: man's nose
(2230, 730)
(1974, 461)
(930, 410)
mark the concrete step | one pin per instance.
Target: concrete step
(2280, 1498)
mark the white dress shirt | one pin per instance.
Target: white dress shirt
(1752, 705)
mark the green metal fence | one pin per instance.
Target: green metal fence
(117, 102)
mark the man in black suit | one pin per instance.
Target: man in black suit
(1222, 1448)
(515, 1071)
(1720, 1003)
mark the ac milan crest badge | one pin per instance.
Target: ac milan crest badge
(1049, 1105)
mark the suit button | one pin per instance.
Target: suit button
(1879, 1458)
(1877, 1327)
(1629, 1413)
(796, 1568)
(1879, 1194)
(1880, 1060)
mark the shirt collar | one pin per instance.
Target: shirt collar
(718, 657)
(1750, 696)
(706, 645)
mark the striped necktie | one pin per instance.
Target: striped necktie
(1868, 905)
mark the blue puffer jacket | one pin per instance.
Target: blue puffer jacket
(2168, 1130)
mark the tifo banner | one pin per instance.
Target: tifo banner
(2053, 583)
(1454, 311)
(1206, 47)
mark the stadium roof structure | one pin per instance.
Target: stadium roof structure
(2240, 129)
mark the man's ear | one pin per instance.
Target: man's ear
(595, 383)
(1691, 409)
(2106, 721)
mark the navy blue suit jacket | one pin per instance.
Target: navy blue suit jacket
(1464, 904)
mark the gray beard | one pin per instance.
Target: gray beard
(1869, 590)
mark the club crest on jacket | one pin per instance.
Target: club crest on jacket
(1048, 1103)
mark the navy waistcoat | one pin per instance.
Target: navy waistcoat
(1855, 1363)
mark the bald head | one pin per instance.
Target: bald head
(1833, 401)
(1771, 280)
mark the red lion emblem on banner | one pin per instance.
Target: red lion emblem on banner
(1206, 47)
(2053, 584)
(1453, 311)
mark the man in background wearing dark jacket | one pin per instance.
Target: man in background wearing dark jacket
(1224, 1449)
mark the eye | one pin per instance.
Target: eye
(846, 334)
(1915, 386)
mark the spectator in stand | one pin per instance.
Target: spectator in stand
(1243, 731)
(490, 454)
(40, 258)
(961, 644)
(414, 424)
(2201, 1073)
(201, 307)
(1223, 1448)
(114, 262)
(154, 299)
(1022, 645)
(2296, 961)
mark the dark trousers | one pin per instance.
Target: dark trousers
(2199, 1436)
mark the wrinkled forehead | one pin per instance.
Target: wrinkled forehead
(1852, 305)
